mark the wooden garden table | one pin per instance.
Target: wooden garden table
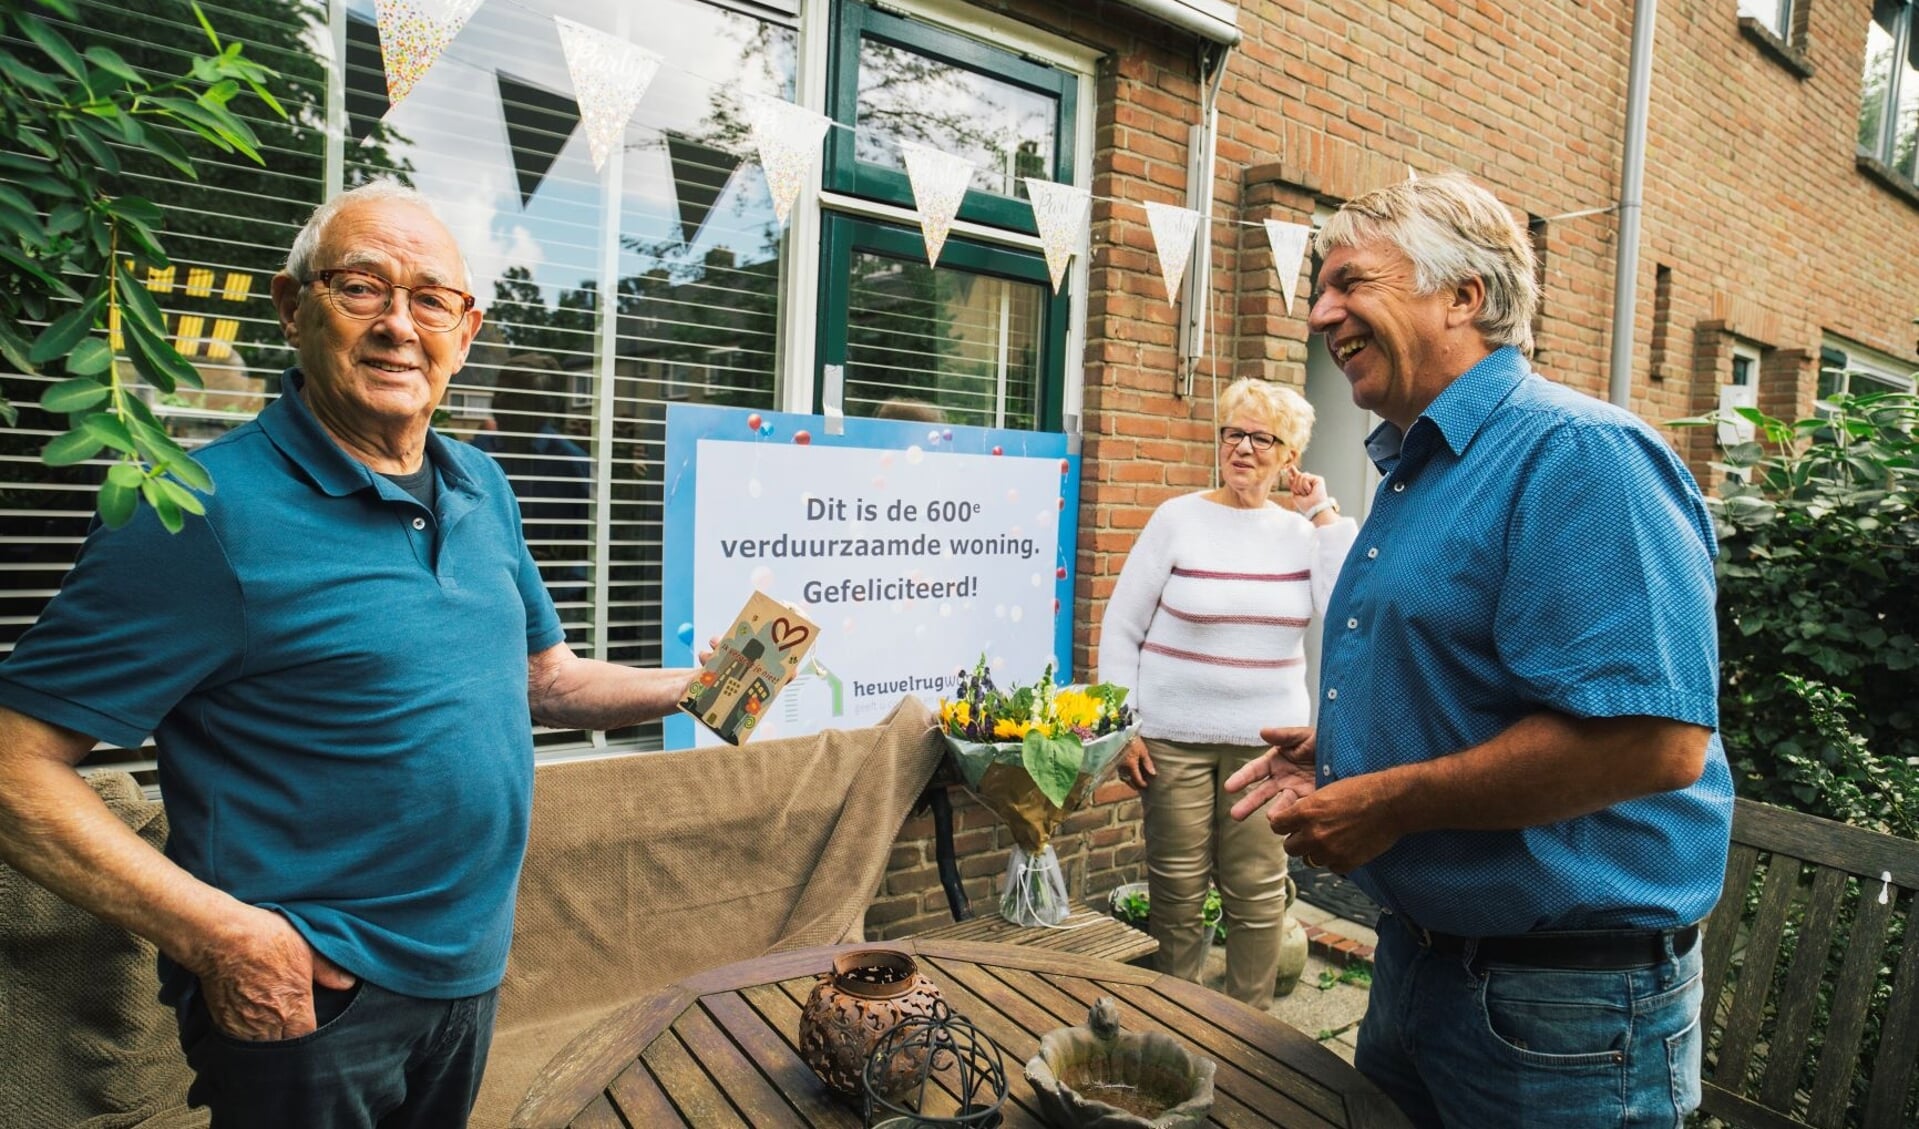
(719, 1048)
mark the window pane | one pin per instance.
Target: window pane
(1876, 85)
(566, 389)
(1867, 383)
(227, 233)
(1832, 381)
(1772, 13)
(1006, 131)
(1905, 137)
(968, 343)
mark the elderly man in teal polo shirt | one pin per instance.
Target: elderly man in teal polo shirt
(340, 666)
(1515, 752)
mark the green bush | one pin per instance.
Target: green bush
(1818, 622)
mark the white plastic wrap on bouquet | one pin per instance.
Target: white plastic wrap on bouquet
(1035, 890)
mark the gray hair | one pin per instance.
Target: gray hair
(300, 255)
(1452, 229)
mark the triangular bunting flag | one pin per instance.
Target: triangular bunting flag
(788, 139)
(1289, 251)
(413, 33)
(700, 176)
(539, 123)
(1173, 229)
(365, 85)
(1060, 212)
(610, 76)
(939, 181)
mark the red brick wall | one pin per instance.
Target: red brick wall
(1752, 199)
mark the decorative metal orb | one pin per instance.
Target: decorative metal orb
(938, 1054)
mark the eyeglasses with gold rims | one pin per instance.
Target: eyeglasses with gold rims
(363, 295)
(1230, 437)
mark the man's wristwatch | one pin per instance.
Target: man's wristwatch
(1329, 504)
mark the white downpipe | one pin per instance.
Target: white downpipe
(1632, 188)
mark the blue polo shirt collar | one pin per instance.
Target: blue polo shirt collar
(302, 439)
(1460, 410)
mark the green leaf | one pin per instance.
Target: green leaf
(154, 357)
(136, 208)
(89, 357)
(117, 502)
(206, 26)
(109, 430)
(182, 497)
(64, 8)
(135, 301)
(187, 469)
(76, 446)
(163, 506)
(167, 149)
(36, 81)
(1053, 763)
(157, 446)
(109, 60)
(54, 44)
(9, 414)
(266, 96)
(126, 474)
(58, 339)
(54, 284)
(98, 151)
(14, 348)
(76, 395)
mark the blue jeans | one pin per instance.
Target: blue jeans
(1474, 1045)
(378, 1059)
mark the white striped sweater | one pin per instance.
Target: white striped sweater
(1208, 622)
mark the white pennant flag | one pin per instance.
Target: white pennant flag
(788, 139)
(1173, 229)
(939, 182)
(1060, 211)
(1289, 251)
(610, 76)
(413, 34)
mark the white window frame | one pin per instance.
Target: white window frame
(1778, 20)
(1736, 393)
(1864, 359)
(799, 305)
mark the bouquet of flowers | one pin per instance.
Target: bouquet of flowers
(1031, 755)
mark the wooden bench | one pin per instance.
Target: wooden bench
(1085, 932)
(1812, 1010)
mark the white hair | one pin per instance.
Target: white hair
(300, 255)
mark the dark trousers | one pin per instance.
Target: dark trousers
(378, 1060)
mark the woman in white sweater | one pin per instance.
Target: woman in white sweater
(1207, 625)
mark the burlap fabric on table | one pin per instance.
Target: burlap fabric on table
(84, 1040)
(643, 869)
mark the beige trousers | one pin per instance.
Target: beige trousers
(1192, 841)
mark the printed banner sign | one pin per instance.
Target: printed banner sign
(916, 548)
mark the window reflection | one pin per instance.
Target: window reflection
(967, 343)
(608, 293)
(1006, 131)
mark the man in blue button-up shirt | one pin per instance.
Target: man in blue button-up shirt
(1516, 752)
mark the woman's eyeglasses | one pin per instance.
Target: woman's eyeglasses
(1261, 440)
(364, 295)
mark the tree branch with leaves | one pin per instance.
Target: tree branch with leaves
(71, 243)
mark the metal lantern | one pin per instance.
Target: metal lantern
(924, 1054)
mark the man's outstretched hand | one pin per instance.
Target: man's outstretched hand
(1283, 775)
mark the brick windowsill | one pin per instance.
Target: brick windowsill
(1896, 182)
(1782, 52)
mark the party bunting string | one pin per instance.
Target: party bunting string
(611, 75)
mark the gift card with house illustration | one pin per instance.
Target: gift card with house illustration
(758, 656)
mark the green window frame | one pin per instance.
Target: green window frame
(844, 172)
(843, 235)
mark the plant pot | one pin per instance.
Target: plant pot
(865, 992)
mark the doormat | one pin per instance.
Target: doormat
(1330, 892)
